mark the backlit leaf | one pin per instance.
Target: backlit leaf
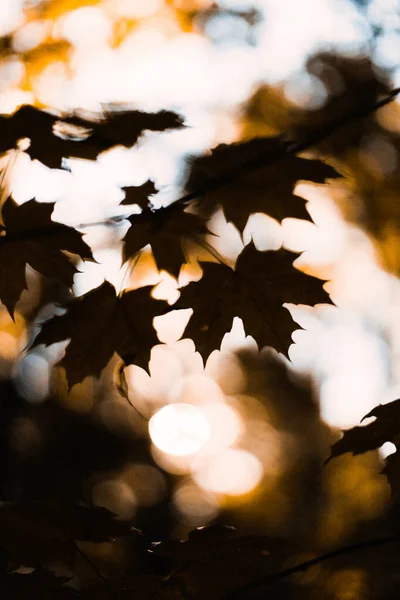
(39, 585)
(100, 323)
(139, 194)
(32, 238)
(165, 230)
(263, 182)
(33, 533)
(385, 428)
(87, 139)
(255, 291)
(215, 561)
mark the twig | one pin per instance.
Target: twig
(122, 388)
(94, 568)
(371, 543)
(288, 148)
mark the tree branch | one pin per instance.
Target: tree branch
(287, 148)
(290, 148)
(273, 577)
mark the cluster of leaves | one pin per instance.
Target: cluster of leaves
(241, 179)
(214, 561)
(367, 150)
(256, 290)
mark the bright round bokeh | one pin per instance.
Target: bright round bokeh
(232, 472)
(179, 429)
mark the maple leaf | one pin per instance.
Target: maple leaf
(27, 121)
(213, 541)
(37, 125)
(33, 532)
(392, 472)
(264, 178)
(165, 230)
(96, 524)
(255, 291)
(87, 138)
(32, 238)
(133, 585)
(139, 194)
(100, 323)
(40, 585)
(361, 439)
(214, 561)
(121, 126)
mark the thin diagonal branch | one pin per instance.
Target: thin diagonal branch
(287, 148)
(344, 550)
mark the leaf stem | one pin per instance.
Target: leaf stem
(122, 388)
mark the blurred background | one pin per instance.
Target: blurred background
(242, 439)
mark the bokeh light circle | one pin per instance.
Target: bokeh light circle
(232, 472)
(179, 429)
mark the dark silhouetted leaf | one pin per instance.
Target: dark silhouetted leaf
(139, 194)
(392, 472)
(27, 121)
(165, 230)
(38, 585)
(217, 541)
(121, 126)
(255, 291)
(96, 524)
(36, 533)
(264, 180)
(215, 561)
(385, 428)
(139, 587)
(86, 139)
(100, 323)
(32, 238)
